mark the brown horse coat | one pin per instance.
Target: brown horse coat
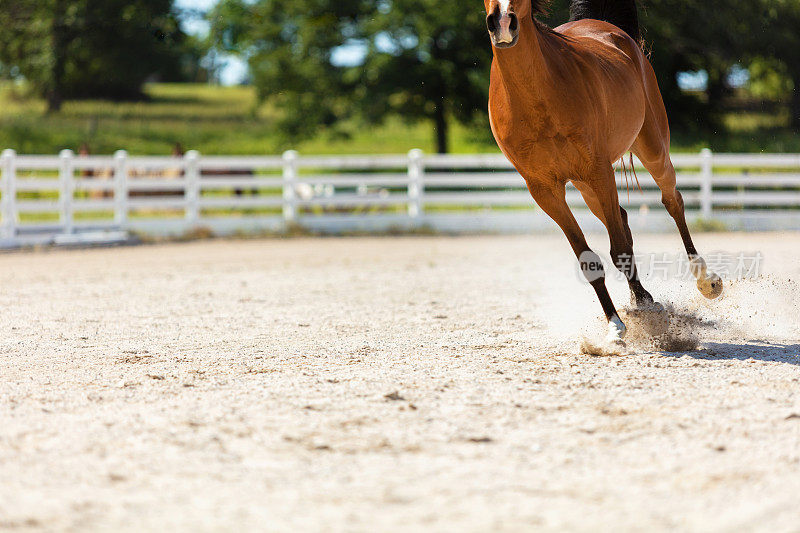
(564, 105)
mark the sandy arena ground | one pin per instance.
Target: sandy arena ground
(389, 384)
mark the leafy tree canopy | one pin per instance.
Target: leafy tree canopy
(92, 48)
(421, 59)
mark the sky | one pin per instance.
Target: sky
(235, 70)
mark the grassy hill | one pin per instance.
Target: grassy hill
(228, 120)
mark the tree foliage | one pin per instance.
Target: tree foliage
(91, 48)
(421, 60)
(427, 59)
(780, 20)
(289, 47)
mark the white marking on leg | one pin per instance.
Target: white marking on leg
(616, 330)
(698, 267)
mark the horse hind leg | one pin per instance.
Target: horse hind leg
(639, 295)
(658, 163)
(652, 149)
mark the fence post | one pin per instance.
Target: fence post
(289, 182)
(192, 189)
(706, 177)
(416, 184)
(66, 180)
(121, 188)
(9, 169)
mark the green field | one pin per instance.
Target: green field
(229, 120)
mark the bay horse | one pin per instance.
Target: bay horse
(565, 104)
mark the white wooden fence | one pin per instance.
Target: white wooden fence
(72, 199)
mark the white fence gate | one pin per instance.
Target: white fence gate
(64, 199)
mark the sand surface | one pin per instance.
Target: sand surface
(389, 384)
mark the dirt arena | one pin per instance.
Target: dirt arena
(389, 384)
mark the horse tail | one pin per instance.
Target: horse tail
(621, 13)
(633, 168)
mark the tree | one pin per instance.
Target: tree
(289, 47)
(422, 59)
(780, 40)
(427, 59)
(89, 48)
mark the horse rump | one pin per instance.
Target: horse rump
(621, 13)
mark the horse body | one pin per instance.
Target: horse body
(564, 105)
(564, 126)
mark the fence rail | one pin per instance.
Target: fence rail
(57, 198)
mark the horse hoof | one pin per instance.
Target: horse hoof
(616, 331)
(710, 286)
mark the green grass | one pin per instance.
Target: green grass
(228, 120)
(213, 120)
